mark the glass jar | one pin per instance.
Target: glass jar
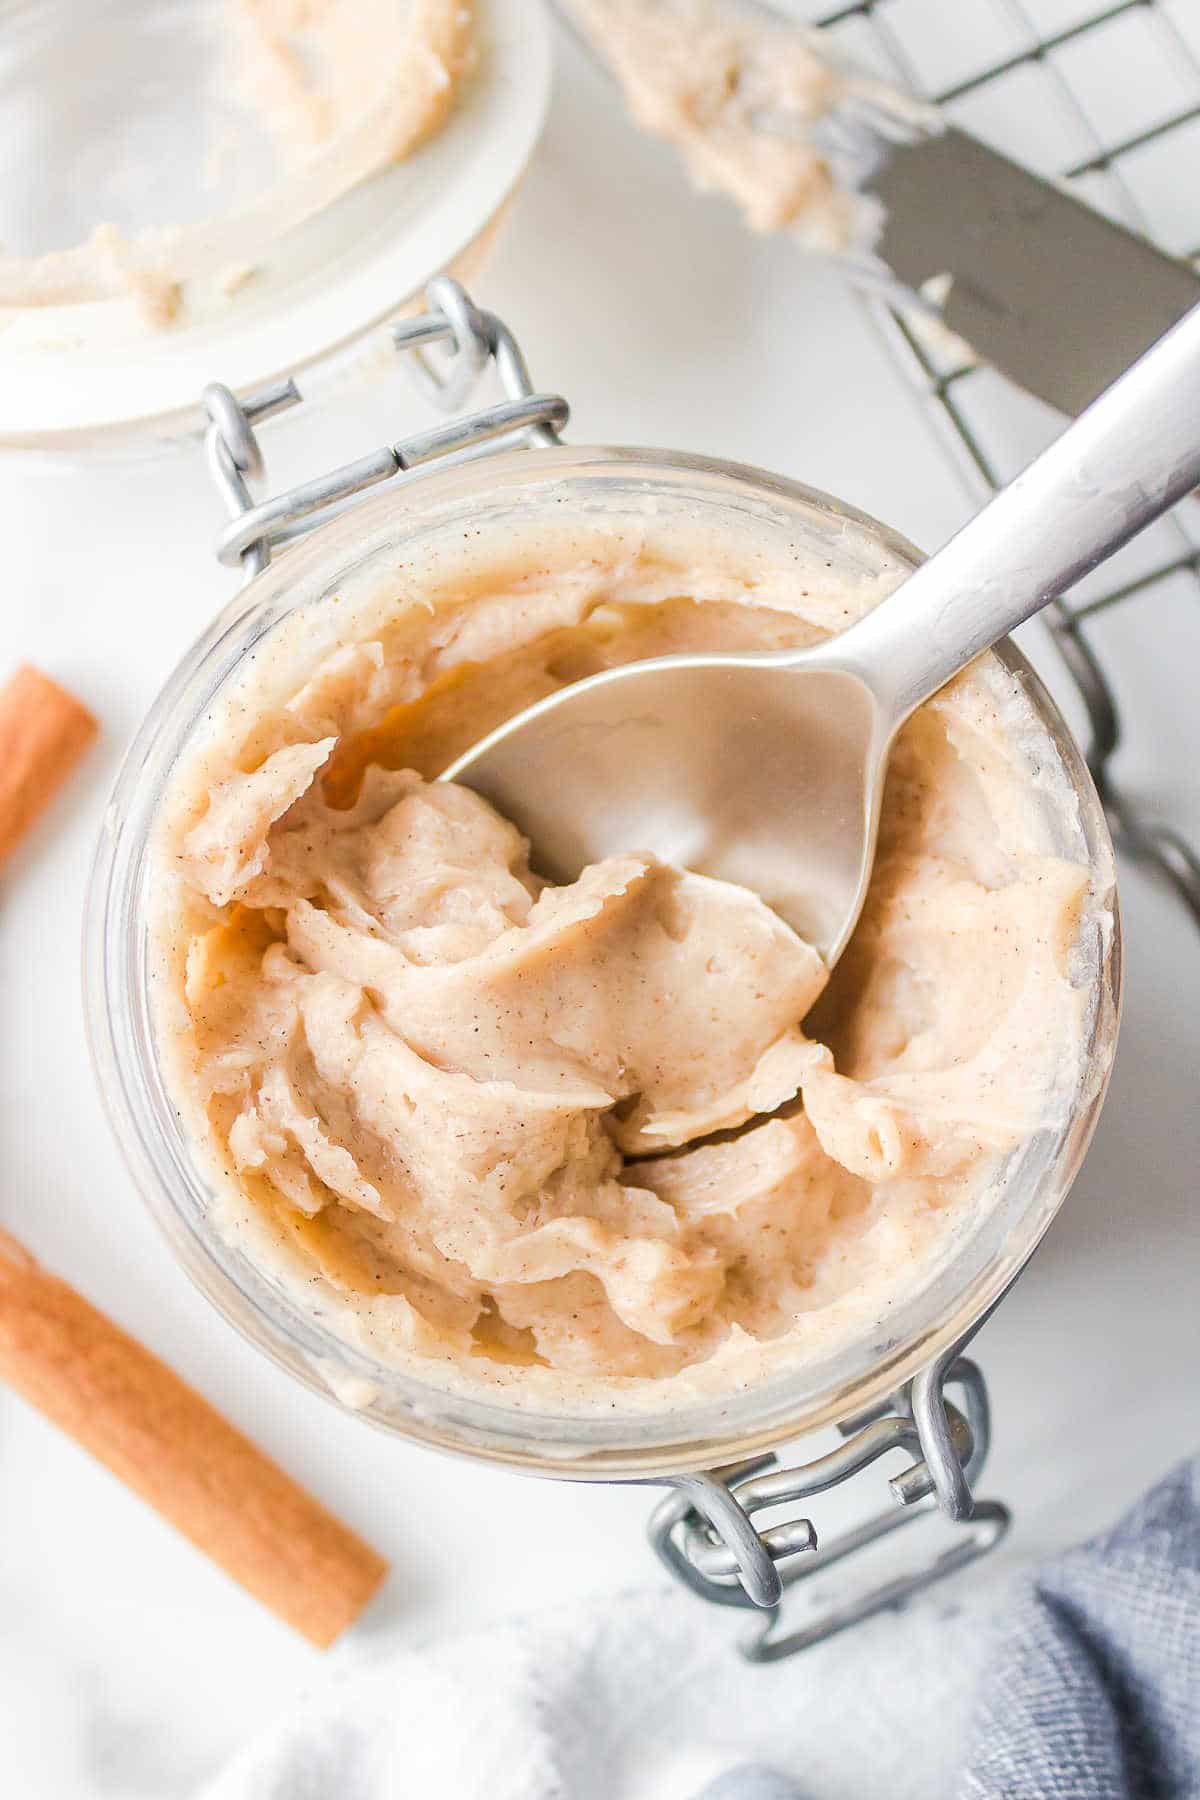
(351, 556)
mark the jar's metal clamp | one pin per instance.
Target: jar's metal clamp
(704, 1530)
(476, 341)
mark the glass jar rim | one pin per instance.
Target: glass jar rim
(726, 1426)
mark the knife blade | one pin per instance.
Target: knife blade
(1043, 287)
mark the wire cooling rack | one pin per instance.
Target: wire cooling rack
(1105, 98)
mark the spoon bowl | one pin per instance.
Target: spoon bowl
(755, 769)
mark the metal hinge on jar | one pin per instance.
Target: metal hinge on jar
(476, 340)
(704, 1531)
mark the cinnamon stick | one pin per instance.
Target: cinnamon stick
(43, 733)
(163, 1440)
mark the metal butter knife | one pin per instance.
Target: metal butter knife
(1047, 290)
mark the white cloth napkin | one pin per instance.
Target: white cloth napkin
(1082, 1677)
(638, 1697)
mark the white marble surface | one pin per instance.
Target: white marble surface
(128, 1667)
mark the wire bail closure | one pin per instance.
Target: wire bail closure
(476, 340)
(704, 1530)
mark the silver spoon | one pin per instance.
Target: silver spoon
(767, 768)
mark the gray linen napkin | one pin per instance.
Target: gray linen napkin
(1091, 1690)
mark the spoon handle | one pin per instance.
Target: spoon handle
(1130, 456)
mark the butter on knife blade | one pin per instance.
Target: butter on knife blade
(762, 109)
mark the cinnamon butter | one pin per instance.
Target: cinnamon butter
(615, 1142)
